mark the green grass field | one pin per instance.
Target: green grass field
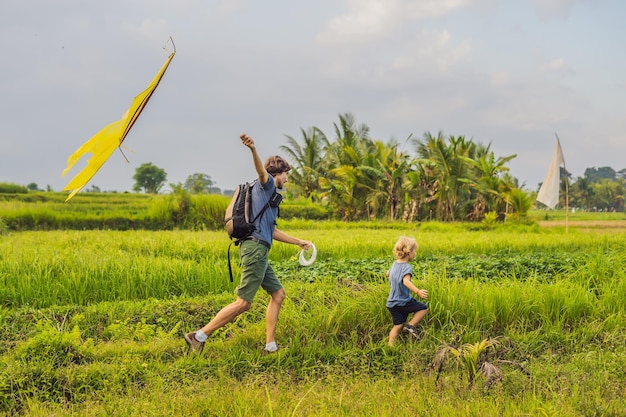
(91, 324)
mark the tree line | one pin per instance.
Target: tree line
(360, 178)
(601, 189)
(448, 178)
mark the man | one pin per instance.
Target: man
(253, 252)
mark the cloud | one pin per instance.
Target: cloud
(270, 68)
(383, 44)
(558, 66)
(374, 20)
(551, 9)
(433, 51)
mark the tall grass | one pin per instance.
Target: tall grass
(91, 324)
(89, 211)
(42, 269)
(69, 267)
(111, 211)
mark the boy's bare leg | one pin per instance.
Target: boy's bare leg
(393, 334)
(417, 317)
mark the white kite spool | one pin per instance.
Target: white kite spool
(307, 262)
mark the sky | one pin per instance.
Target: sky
(510, 73)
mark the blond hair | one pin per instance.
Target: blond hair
(404, 246)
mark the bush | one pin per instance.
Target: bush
(310, 211)
(207, 212)
(184, 211)
(6, 187)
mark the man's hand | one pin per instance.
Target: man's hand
(247, 140)
(304, 244)
(258, 164)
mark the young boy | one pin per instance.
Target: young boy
(400, 303)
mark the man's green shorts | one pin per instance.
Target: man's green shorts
(256, 271)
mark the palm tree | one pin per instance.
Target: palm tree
(417, 193)
(362, 178)
(382, 170)
(582, 193)
(346, 183)
(348, 133)
(445, 169)
(490, 185)
(507, 185)
(520, 202)
(393, 166)
(341, 192)
(607, 194)
(307, 159)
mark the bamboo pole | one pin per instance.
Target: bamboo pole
(566, 185)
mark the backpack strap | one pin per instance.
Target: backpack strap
(265, 207)
(230, 269)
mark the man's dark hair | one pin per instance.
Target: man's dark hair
(276, 165)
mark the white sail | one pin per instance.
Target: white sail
(549, 191)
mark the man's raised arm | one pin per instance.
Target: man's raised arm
(258, 164)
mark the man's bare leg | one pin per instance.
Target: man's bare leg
(271, 317)
(226, 315)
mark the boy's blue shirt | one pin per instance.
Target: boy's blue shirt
(399, 294)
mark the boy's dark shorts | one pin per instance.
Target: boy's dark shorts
(399, 314)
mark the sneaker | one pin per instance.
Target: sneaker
(411, 330)
(266, 352)
(193, 343)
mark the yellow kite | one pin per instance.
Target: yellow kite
(103, 143)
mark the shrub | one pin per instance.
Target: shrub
(55, 347)
(6, 187)
(207, 212)
(310, 211)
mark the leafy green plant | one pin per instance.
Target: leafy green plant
(474, 359)
(58, 348)
(490, 219)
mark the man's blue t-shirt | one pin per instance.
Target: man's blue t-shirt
(399, 294)
(265, 224)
